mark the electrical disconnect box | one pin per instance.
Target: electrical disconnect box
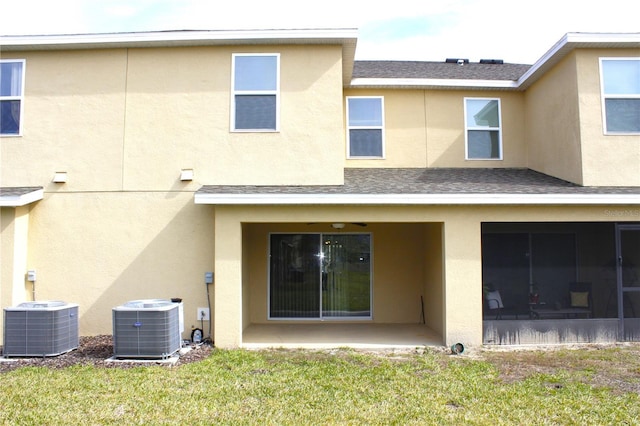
(31, 275)
(208, 277)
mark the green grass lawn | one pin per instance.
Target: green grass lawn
(286, 387)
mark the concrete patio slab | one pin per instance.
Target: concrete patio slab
(327, 335)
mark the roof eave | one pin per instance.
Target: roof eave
(19, 200)
(572, 41)
(432, 83)
(418, 199)
(178, 38)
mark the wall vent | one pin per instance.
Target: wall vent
(46, 328)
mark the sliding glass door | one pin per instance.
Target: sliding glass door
(319, 276)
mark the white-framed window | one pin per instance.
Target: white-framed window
(11, 96)
(483, 130)
(620, 85)
(256, 92)
(365, 127)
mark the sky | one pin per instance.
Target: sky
(515, 31)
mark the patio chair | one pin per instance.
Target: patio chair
(495, 306)
(494, 303)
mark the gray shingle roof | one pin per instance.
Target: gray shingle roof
(431, 181)
(438, 70)
(20, 195)
(17, 191)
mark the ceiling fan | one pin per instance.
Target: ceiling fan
(340, 225)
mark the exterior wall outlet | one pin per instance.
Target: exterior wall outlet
(202, 314)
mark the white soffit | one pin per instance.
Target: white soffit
(422, 83)
(418, 199)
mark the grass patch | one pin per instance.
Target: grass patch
(288, 387)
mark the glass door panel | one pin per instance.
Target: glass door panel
(346, 275)
(294, 275)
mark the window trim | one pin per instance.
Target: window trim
(19, 98)
(485, 128)
(380, 127)
(604, 96)
(235, 92)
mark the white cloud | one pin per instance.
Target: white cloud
(43, 17)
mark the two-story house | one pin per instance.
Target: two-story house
(335, 201)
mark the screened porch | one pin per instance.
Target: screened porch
(560, 282)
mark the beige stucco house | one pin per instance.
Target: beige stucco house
(335, 201)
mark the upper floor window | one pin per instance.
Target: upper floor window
(483, 129)
(256, 87)
(11, 95)
(365, 127)
(620, 94)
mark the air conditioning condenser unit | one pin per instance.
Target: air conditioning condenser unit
(147, 328)
(45, 328)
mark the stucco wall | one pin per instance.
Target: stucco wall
(405, 131)
(434, 285)
(102, 250)
(14, 250)
(14, 229)
(427, 129)
(6, 259)
(73, 118)
(606, 159)
(446, 129)
(553, 134)
(14, 258)
(565, 133)
(131, 119)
